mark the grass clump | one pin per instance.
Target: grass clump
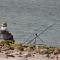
(7, 42)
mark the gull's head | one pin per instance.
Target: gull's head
(4, 24)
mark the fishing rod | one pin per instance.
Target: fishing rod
(28, 38)
(41, 33)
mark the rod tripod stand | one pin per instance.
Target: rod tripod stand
(35, 40)
(37, 35)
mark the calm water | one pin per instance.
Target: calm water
(26, 17)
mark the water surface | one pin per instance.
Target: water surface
(26, 17)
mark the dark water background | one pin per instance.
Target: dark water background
(26, 17)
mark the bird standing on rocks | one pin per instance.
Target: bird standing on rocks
(4, 33)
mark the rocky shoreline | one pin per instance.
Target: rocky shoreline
(28, 52)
